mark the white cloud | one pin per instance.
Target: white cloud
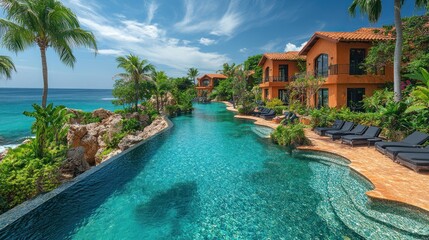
(151, 9)
(145, 39)
(271, 45)
(207, 41)
(292, 47)
(243, 50)
(110, 52)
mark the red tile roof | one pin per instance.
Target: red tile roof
(291, 56)
(360, 35)
(213, 75)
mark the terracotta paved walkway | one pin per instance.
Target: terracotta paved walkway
(391, 180)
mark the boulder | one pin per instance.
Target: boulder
(102, 113)
(3, 154)
(75, 134)
(129, 141)
(90, 144)
(74, 164)
(155, 127)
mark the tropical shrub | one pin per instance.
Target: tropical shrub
(130, 125)
(420, 94)
(275, 102)
(279, 109)
(223, 92)
(291, 135)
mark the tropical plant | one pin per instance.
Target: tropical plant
(421, 92)
(223, 92)
(192, 74)
(124, 92)
(6, 67)
(161, 86)
(378, 100)
(306, 86)
(373, 9)
(275, 102)
(251, 64)
(45, 23)
(291, 135)
(136, 70)
(228, 70)
(50, 127)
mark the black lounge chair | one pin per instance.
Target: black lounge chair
(336, 126)
(345, 128)
(261, 110)
(271, 114)
(392, 152)
(414, 140)
(415, 161)
(370, 134)
(290, 117)
(336, 134)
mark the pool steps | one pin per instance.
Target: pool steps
(344, 200)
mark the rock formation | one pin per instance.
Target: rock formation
(74, 163)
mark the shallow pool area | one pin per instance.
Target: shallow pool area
(214, 177)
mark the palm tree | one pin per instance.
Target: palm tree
(136, 70)
(193, 73)
(373, 9)
(228, 70)
(45, 23)
(6, 67)
(161, 86)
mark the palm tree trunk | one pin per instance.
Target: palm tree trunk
(157, 102)
(398, 53)
(136, 87)
(45, 76)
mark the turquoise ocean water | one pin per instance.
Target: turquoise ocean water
(214, 177)
(14, 126)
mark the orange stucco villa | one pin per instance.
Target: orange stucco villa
(278, 69)
(207, 82)
(336, 56)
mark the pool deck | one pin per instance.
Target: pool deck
(392, 181)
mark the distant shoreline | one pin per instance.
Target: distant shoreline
(57, 88)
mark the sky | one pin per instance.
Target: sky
(175, 35)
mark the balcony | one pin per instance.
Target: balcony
(350, 69)
(275, 79)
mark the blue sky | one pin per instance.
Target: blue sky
(175, 35)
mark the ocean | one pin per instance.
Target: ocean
(15, 127)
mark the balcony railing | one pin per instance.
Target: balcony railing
(276, 79)
(350, 69)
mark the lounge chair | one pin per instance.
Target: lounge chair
(261, 110)
(290, 117)
(415, 161)
(336, 134)
(370, 134)
(271, 114)
(392, 152)
(336, 126)
(413, 140)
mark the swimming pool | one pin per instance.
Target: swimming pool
(212, 177)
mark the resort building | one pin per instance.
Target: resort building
(278, 69)
(338, 57)
(207, 82)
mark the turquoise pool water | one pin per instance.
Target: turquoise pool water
(212, 177)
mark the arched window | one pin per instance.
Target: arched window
(267, 74)
(321, 65)
(206, 82)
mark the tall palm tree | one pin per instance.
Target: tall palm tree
(228, 70)
(161, 86)
(373, 9)
(44, 23)
(6, 67)
(136, 70)
(193, 73)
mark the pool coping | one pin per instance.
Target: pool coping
(380, 171)
(12, 215)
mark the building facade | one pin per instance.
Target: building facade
(278, 69)
(338, 57)
(207, 82)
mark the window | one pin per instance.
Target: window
(284, 95)
(321, 65)
(283, 73)
(357, 58)
(323, 98)
(354, 98)
(266, 93)
(205, 82)
(267, 74)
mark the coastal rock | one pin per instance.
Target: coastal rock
(102, 113)
(90, 144)
(77, 116)
(3, 154)
(75, 163)
(113, 153)
(75, 134)
(155, 127)
(129, 141)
